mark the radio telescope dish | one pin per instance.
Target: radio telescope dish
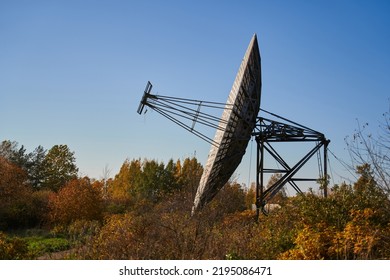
(237, 125)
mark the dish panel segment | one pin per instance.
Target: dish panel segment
(237, 126)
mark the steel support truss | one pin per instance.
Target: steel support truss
(281, 130)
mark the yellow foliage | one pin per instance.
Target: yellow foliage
(359, 237)
(115, 240)
(311, 243)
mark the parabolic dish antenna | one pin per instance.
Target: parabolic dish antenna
(240, 121)
(237, 125)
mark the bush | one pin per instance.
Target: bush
(39, 246)
(12, 248)
(77, 200)
(352, 223)
(81, 231)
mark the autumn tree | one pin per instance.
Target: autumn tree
(230, 199)
(59, 167)
(124, 184)
(77, 200)
(15, 203)
(105, 180)
(189, 176)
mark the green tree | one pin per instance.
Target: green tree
(153, 180)
(36, 170)
(31, 163)
(11, 152)
(149, 180)
(58, 167)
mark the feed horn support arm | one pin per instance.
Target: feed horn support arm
(186, 113)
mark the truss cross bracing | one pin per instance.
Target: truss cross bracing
(281, 130)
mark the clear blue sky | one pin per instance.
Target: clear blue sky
(73, 72)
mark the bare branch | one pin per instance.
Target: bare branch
(373, 148)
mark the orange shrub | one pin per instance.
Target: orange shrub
(77, 200)
(15, 202)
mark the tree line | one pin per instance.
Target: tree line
(143, 212)
(27, 180)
